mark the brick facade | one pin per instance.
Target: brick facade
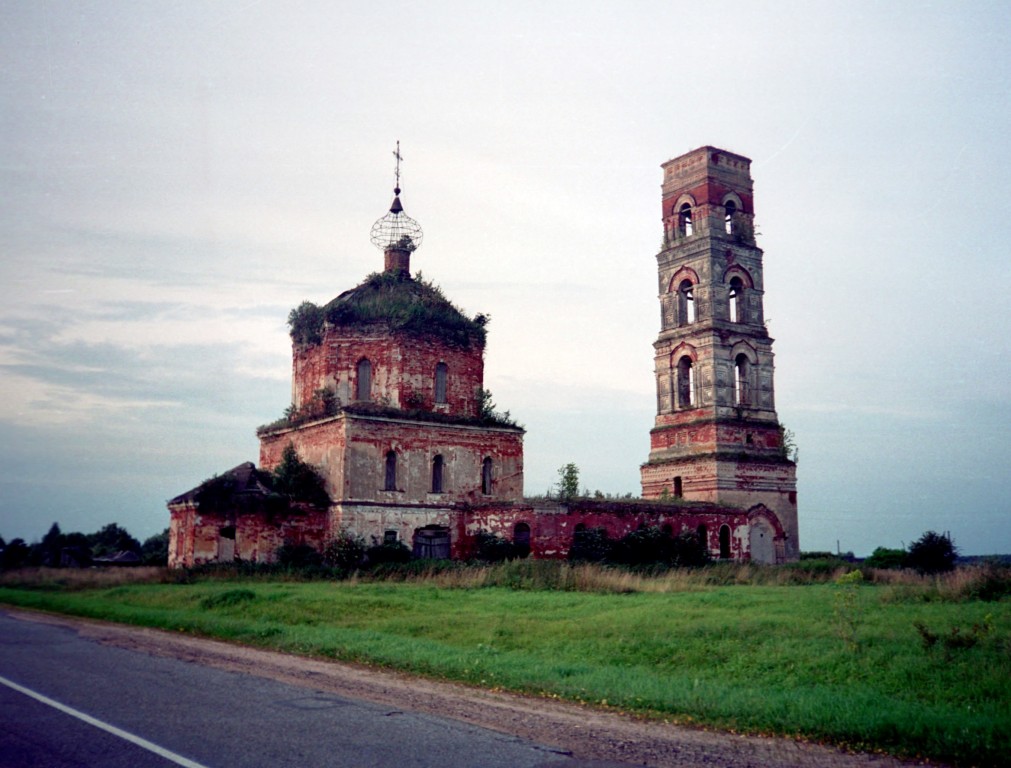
(716, 436)
(388, 409)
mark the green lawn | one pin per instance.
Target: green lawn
(768, 659)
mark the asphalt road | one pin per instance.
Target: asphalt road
(66, 700)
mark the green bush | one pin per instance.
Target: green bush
(345, 551)
(387, 553)
(299, 556)
(591, 545)
(492, 548)
(886, 559)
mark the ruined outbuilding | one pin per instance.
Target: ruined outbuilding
(389, 406)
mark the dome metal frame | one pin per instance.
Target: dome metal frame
(396, 230)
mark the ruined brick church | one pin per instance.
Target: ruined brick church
(389, 407)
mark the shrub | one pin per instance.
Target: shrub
(689, 551)
(345, 551)
(885, 558)
(651, 546)
(306, 323)
(932, 553)
(298, 556)
(591, 545)
(989, 581)
(388, 553)
(492, 548)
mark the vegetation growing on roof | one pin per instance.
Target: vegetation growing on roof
(294, 417)
(325, 403)
(306, 323)
(407, 304)
(292, 482)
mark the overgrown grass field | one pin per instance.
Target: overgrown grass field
(906, 667)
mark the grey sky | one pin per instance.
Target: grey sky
(175, 177)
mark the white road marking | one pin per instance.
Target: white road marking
(144, 743)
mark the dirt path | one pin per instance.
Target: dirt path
(587, 734)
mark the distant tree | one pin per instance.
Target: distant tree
(568, 481)
(885, 558)
(932, 553)
(47, 551)
(154, 550)
(112, 539)
(14, 555)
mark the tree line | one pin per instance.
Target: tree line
(111, 544)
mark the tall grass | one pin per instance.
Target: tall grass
(753, 648)
(986, 581)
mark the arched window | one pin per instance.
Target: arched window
(363, 390)
(686, 302)
(736, 300)
(742, 387)
(390, 482)
(731, 208)
(685, 220)
(486, 476)
(686, 382)
(703, 534)
(521, 539)
(724, 541)
(437, 474)
(678, 487)
(441, 371)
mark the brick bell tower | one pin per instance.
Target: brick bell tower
(717, 437)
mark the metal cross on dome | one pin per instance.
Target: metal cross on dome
(396, 154)
(396, 229)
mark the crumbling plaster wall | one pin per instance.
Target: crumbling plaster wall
(196, 536)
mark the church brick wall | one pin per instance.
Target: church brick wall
(196, 537)
(553, 524)
(402, 366)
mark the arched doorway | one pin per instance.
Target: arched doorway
(521, 539)
(724, 542)
(762, 540)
